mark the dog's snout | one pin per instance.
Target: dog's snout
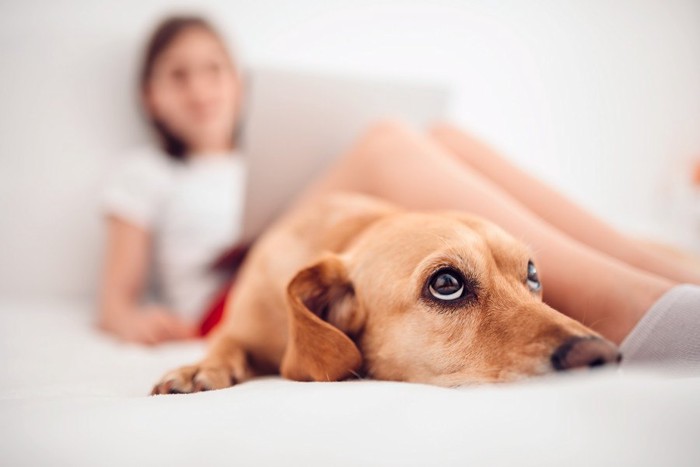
(580, 352)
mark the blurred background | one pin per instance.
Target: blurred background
(601, 99)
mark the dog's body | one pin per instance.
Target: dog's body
(355, 285)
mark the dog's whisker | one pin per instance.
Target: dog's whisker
(598, 321)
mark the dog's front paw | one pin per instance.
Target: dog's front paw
(194, 378)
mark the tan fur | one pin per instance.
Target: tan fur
(335, 289)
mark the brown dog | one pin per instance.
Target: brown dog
(354, 285)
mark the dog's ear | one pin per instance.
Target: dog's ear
(322, 312)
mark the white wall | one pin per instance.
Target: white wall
(600, 98)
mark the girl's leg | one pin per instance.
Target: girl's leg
(555, 208)
(395, 162)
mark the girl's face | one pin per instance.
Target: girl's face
(194, 90)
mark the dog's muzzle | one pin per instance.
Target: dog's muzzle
(579, 352)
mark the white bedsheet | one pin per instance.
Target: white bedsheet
(71, 396)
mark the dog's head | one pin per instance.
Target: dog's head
(441, 298)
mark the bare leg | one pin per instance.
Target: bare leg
(404, 166)
(556, 209)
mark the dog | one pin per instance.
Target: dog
(353, 285)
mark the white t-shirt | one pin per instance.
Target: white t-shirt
(194, 211)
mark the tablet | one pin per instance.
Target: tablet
(297, 123)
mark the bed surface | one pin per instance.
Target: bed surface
(70, 395)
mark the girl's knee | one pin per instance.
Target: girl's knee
(440, 129)
(381, 138)
(389, 126)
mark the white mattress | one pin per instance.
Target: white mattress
(72, 396)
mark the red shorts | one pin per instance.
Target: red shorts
(215, 310)
(229, 263)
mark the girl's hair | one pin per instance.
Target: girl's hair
(163, 36)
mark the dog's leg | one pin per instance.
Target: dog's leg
(226, 364)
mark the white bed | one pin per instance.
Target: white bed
(72, 396)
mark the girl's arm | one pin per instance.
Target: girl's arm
(123, 280)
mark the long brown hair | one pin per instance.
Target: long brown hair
(164, 35)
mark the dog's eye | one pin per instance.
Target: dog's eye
(533, 281)
(446, 285)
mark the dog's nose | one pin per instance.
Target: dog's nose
(580, 352)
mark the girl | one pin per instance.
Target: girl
(168, 203)
(174, 209)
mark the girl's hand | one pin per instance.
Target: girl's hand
(151, 325)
